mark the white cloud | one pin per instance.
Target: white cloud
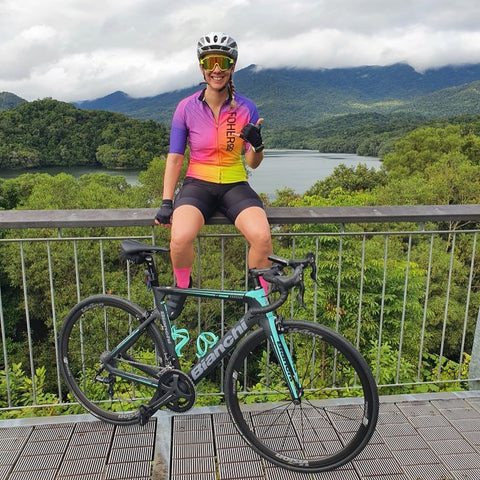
(83, 49)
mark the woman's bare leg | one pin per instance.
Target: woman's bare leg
(253, 224)
(187, 221)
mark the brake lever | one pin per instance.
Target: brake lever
(301, 295)
(313, 265)
(313, 273)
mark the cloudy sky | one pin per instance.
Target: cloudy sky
(84, 49)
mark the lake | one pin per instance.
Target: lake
(295, 169)
(300, 169)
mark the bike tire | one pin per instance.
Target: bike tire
(92, 328)
(324, 431)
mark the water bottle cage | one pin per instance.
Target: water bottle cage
(205, 341)
(182, 336)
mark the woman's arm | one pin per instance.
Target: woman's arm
(172, 172)
(253, 159)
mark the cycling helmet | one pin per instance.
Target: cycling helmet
(219, 43)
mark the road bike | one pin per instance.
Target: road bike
(298, 392)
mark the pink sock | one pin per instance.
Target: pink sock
(264, 284)
(183, 276)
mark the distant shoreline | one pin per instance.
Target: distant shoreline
(282, 168)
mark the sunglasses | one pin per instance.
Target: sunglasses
(209, 63)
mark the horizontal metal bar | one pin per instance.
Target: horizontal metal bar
(276, 215)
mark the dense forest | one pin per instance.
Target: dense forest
(305, 96)
(52, 133)
(366, 134)
(432, 164)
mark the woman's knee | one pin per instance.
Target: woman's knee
(187, 221)
(263, 236)
(261, 240)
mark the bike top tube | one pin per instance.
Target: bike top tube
(253, 298)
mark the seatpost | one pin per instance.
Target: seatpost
(151, 276)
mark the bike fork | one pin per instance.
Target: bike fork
(284, 357)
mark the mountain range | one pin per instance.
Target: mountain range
(305, 97)
(9, 100)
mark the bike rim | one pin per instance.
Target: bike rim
(93, 331)
(338, 411)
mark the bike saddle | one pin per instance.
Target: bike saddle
(136, 251)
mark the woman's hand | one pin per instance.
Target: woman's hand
(164, 214)
(251, 134)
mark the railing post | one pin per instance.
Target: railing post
(474, 369)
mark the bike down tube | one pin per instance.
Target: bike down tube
(255, 297)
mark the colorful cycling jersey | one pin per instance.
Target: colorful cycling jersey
(215, 149)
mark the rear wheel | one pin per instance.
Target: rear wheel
(91, 330)
(338, 411)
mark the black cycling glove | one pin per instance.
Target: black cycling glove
(164, 214)
(251, 134)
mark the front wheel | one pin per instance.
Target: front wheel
(91, 330)
(338, 410)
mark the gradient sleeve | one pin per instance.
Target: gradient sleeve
(178, 131)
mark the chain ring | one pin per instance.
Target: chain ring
(179, 383)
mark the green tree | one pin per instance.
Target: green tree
(433, 166)
(349, 179)
(51, 133)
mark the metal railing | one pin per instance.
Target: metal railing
(401, 283)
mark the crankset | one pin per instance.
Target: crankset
(179, 388)
(175, 390)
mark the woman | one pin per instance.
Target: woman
(220, 126)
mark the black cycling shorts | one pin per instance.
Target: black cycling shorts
(227, 198)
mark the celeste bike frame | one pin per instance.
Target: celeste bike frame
(260, 312)
(294, 368)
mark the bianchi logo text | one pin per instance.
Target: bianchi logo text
(223, 346)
